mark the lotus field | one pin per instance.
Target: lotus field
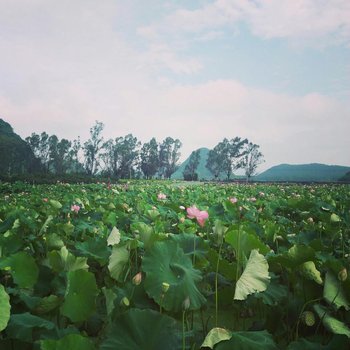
(156, 265)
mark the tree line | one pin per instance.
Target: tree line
(225, 158)
(121, 157)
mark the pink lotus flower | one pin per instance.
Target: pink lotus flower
(200, 215)
(75, 208)
(161, 196)
(45, 200)
(233, 200)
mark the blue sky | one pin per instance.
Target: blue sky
(276, 72)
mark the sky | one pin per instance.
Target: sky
(274, 71)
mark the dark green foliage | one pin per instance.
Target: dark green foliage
(16, 156)
(169, 156)
(149, 158)
(96, 266)
(190, 172)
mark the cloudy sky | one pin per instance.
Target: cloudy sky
(274, 71)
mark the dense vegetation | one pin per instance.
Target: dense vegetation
(119, 158)
(138, 266)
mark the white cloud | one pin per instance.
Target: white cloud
(64, 65)
(312, 22)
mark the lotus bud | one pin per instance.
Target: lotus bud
(310, 220)
(186, 303)
(125, 301)
(343, 275)
(137, 279)
(165, 287)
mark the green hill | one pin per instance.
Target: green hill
(304, 172)
(16, 157)
(345, 178)
(202, 171)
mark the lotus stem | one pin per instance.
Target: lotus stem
(216, 286)
(183, 330)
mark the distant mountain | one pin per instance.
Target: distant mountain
(345, 178)
(304, 172)
(16, 157)
(202, 170)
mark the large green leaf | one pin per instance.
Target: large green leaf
(22, 326)
(23, 268)
(94, 248)
(245, 242)
(142, 330)
(47, 304)
(64, 260)
(55, 204)
(261, 340)
(274, 293)
(117, 261)
(166, 262)
(333, 292)
(5, 308)
(191, 244)
(70, 341)
(295, 256)
(80, 296)
(338, 342)
(331, 323)
(255, 277)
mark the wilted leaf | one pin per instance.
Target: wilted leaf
(309, 270)
(215, 336)
(117, 261)
(261, 340)
(255, 277)
(114, 237)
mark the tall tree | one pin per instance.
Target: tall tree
(189, 172)
(121, 156)
(169, 156)
(252, 159)
(40, 146)
(226, 156)
(217, 158)
(149, 158)
(92, 148)
(59, 154)
(74, 164)
(237, 151)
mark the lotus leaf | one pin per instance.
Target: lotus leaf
(167, 263)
